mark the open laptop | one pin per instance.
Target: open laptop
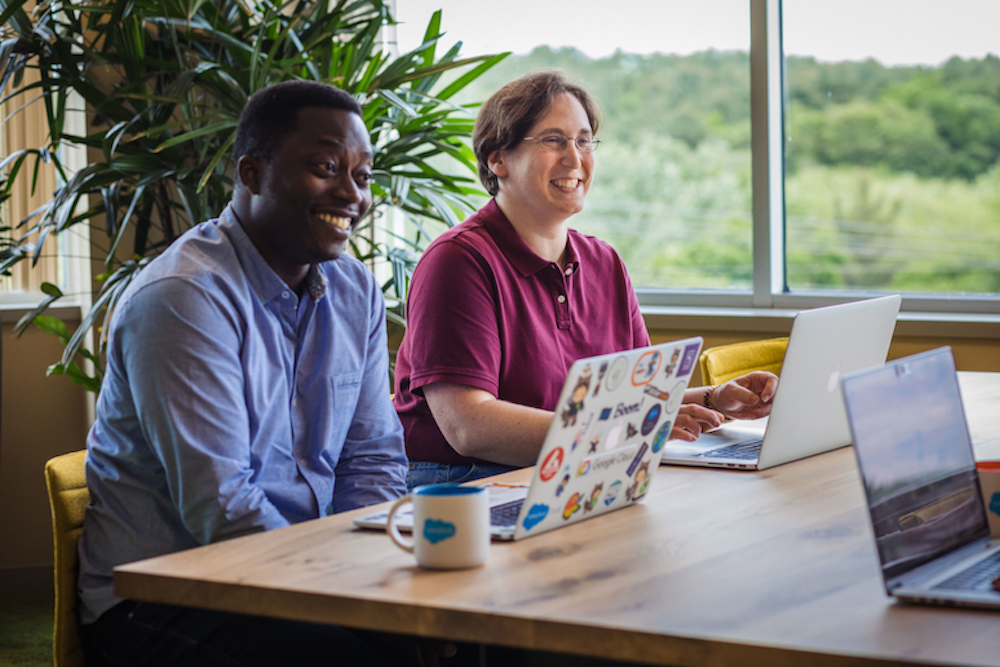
(916, 460)
(807, 412)
(613, 416)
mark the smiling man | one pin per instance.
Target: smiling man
(246, 390)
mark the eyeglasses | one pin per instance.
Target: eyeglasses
(557, 142)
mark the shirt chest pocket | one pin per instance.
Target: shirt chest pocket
(344, 392)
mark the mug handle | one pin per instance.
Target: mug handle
(397, 537)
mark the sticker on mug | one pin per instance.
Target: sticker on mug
(438, 531)
(646, 368)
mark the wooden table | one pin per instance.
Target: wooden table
(714, 568)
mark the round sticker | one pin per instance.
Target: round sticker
(676, 396)
(646, 368)
(617, 373)
(551, 464)
(661, 436)
(652, 417)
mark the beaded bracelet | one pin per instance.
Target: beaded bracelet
(707, 400)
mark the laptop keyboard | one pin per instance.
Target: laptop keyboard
(506, 514)
(741, 450)
(978, 577)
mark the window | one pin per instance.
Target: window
(66, 263)
(892, 145)
(891, 174)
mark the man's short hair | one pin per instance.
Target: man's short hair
(271, 114)
(509, 114)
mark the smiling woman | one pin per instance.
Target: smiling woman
(479, 372)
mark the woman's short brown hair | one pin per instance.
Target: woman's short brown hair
(510, 112)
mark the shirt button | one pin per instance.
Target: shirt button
(569, 270)
(304, 462)
(285, 294)
(561, 298)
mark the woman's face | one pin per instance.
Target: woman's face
(549, 185)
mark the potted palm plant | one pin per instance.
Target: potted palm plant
(163, 83)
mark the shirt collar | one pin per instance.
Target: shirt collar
(517, 252)
(259, 273)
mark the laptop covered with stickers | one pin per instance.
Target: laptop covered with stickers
(614, 414)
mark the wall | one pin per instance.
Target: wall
(40, 417)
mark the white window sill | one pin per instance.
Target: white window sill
(13, 309)
(778, 322)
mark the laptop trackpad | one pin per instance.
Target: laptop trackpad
(732, 433)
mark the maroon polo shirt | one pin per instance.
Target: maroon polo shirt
(485, 311)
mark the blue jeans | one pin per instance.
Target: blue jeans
(142, 633)
(428, 472)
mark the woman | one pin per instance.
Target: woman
(501, 305)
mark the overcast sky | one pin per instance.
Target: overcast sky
(895, 32)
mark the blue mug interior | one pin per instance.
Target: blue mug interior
(448, 490)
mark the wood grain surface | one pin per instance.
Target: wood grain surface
(714, 568)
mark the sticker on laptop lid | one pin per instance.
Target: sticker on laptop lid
(617, 373)
(689, 359)
(600, 376)
(575, 403)
(646, 367)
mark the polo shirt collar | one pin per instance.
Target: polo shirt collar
(517, 252)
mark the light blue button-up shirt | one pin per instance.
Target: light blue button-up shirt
(230, 405)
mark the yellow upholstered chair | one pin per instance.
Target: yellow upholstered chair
(68, 498)
(725, 362)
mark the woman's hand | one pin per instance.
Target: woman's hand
(746, 397)
(693, 420)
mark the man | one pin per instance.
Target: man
(246, 390)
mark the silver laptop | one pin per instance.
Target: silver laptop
(919, 473)
(614, 414)
(807, 413)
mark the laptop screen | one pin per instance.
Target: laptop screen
(916, 459)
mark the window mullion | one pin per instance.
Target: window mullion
(767, 136)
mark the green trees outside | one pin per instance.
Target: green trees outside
(892, 177)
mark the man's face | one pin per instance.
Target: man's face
(314, 190)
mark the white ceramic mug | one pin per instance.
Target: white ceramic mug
(451, 526)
